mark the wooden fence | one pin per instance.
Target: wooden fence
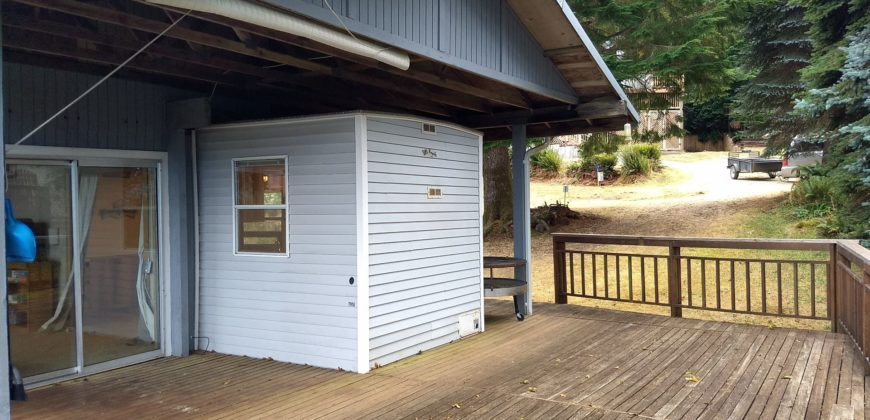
(806, 279)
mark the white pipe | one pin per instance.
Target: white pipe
(259, 15)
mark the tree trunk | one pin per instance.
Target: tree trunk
(498, 213)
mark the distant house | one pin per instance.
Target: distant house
(661, 110)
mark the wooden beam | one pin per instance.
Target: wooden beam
(577, 49)
(45, 26)
(396, 100)
(213, 41)
(577, 65)
(602, 108)
(580, 84)
(599, 109)
(39, 43)
(506, 96)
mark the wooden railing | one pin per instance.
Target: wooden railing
(805, 279)
(852, 286)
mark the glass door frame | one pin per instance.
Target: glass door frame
(75, 158)
(52, 376)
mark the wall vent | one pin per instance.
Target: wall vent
(434, 192)
(428, 128)
(469, 323)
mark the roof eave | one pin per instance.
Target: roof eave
(599, 61)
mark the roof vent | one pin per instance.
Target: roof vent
(428, 128)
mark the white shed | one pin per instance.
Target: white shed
(343, 241)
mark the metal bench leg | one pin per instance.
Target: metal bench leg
(517, 310)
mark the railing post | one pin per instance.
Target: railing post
(833, 274)
(559, 288)
(675, 284)
(864, 315)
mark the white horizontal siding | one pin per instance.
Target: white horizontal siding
(297, 309)
(424, 254)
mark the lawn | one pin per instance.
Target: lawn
(677, 204)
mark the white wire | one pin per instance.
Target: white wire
(99, 82)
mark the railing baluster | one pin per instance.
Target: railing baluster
(796, 297)
(630, 278)
(733, 289)
(718, 287)
(583, 273)
(763, 288)
(689, 279)
(571, 264)
(703, 283)
(779, 286)
(643, 279)
(656, 277)
(606, 278)
(594, 275)
(748, 287)
(618, 284)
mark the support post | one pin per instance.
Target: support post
(675, 284)
(521, 216)
(182, 257)
(183, 116)
(5, 409)
(833, 274)
(559, 271)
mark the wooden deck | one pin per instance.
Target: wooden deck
(564, 362)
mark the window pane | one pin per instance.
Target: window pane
(260, 182)
(262, 231)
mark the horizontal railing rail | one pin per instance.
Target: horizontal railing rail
(803, 279)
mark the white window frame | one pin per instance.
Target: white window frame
(285, 207)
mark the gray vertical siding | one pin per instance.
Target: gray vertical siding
(120, 114)
(481, 36)
(424, 254)
(298, 309)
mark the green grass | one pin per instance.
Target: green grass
(778, 222)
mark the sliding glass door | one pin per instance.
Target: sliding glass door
(92, 297)
(41, 303)
(120, 285)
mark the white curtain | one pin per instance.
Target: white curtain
(87, 194)
(145, 279)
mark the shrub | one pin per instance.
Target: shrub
(598, 143)
(815, 191)
(575, 170)
(651, 151)
(547, 162)
(607, 163)
(634, 163)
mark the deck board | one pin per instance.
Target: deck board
(566, 361)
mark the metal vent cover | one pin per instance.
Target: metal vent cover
(434, 192)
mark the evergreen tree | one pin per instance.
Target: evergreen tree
(776, 49)
(683, 44)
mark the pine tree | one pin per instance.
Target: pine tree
(684, 44)
(776, 50)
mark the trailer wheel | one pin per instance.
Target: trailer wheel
(735, 173)
(772, 175)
